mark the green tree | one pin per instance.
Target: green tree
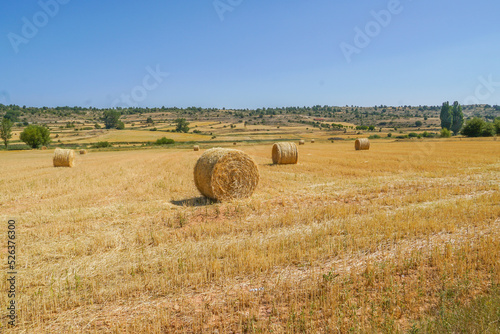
(6, 131)
(418, 124)
(446, 116)
(111, 119)
(182, 125)
(458, 118)
(477, 127)
(120, 125)
(35, 136)
(497, 125)
(12, 115)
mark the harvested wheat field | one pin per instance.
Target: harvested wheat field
(342, 242)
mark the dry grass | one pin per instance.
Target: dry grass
(342, 242)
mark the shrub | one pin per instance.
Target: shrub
(488, 130)
(497, 125)
(102, 144)
(35, 136)
(374, 137)
(418, 124)
(445, 133)
(120, 125)
(477, 127)
(389, 135)
(164, 141)
(153, 129)
(412, 135)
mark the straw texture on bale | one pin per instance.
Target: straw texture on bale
(83, 151)
(312, 140)
(64, 158)
(362, 144)
(302, 142)
(196, 148)
(285, 153)
(225, 174)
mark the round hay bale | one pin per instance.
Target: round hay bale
(64, 158)
(225, 174)
(302, 142)
(285, 153)
(362, 144)
(44, 148)
(196, 148)
(82, 152)
(312, 141)
(234, 143)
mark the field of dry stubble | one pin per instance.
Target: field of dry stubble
(367, 241)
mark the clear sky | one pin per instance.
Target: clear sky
(249, 53)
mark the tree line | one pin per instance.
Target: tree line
(452, 121)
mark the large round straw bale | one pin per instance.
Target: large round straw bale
(285, 153)
(312, 141)
(44, 148)
(196, 148)
(83, 152)
(362, 144)
(302, 142)
(64, 158)
(225, 174)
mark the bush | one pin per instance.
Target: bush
(412, 135)
(477, 127)
(153, 129)
(389, 135)
(35, 136)
(102, 144)
(164, 141)
(488, 130)
(374, 137)
(418, 124)
(196, 131)
(120, 125)
(497, 125)
(445, 133)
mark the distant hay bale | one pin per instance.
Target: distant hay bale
(82, 152)
(226, 174)
(44, 148)
(312, 141)
(64, 158)
(285, 153)
(196, 148)
(362, 144)
(302, 142)
(234, 143)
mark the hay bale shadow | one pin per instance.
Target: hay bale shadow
(195, 201)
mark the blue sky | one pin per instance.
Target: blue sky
(249, 53)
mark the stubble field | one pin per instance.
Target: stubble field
(363, 241)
